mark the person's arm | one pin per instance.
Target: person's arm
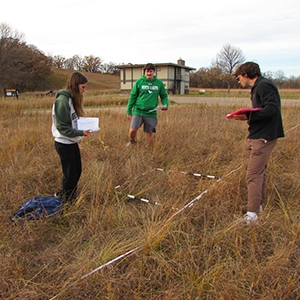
(63, 120)
(132, 99)
(164, 97)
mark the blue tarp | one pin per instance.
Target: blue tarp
(38, 207)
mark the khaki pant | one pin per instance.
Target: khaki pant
(259, 151)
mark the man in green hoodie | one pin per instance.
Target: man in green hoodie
(143, 104)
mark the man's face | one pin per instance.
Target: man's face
(243, 80)
(149, 74)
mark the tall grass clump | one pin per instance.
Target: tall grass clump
(180, 251)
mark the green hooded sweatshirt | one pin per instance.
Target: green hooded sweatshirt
(64, 119)
(144, 97)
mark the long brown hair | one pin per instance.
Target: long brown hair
(73, 81)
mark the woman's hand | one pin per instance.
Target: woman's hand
(86, 132)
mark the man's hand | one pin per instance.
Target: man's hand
(242, 117)
(129, 117)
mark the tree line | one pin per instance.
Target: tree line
(26, 68)
(220, 73)
(89, 63)
(212, 77)
(22, 66)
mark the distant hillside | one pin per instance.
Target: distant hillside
(97, 82)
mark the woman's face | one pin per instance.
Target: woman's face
(81, 88)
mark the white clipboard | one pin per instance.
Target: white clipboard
(91, 124)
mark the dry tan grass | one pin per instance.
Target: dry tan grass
(242, 93)
(199, 253)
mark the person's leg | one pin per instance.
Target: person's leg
(259, 152)
(77, 164)
(132, 134)
(71, 166)
(149, 129)
(149, 138)
(136, 123)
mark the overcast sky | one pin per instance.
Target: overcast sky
(160, 31)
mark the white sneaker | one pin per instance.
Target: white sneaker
(130, 143)
(244, 209)
(250, 218)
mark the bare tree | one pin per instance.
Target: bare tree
(78, 62)
(7, 32)
(108, 68)
(58, 61)
(279, 78)
(208, 78)
(22, 66)
(92, 63)
(70, 64)
(227, 60)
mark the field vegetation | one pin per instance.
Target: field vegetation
(240, 93)
(173, 250)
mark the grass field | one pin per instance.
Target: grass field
(100, 84)
(177, 251)
(241, 93)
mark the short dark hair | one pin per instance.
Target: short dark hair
(250, 68)
(149, 66)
